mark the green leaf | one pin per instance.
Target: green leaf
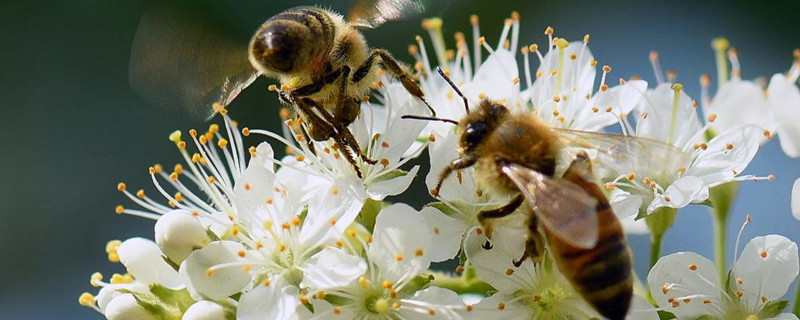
(178, 298)
(772, 309)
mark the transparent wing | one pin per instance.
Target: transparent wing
(373, 13)
(623, 154)
(181, 61)
(564, 209)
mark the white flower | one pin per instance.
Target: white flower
(213, 171)
(737, 101)
(178, 233)
(387, 284)
(125, 307)
(795, 201)
(681, 167)
(784, 101)
(530, 291)
(205, 310)
(381, 135)
(686, 283)
(563, 94)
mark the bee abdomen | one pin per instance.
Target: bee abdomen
(603, 275)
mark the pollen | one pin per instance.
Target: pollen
(337, 310)
(768, 134)
(119, 209)
(419, 252)
(676, 304)
(269, 200)
(712, 117)
(481, 41)
(209, 272)
(533, 48)
(481, 96)
(693, 267)
(595, 109)
(665, 288)
(556, 99)
(320, 294)
(764, 299)
(303, 299)
(431, 311)
(178, 168)
(479, 231)
(211, 179)
(247, 186)
(603, 87)
(333, 221)
(259, 245)
(740, 293)
(299, 158)
(555, 112)
(386, 285)
(667, 199)
(399, 257)
(739, 280)
(352, 233)
(764, 254)
(681, 169)
(266, 282)
(610, 186)
(707, 301)
(609, 109)
(593, 63)
(509, 271)
(281, 248)
(729, 146)
(548, 31)
(573, 56)
(363, 282)
(501, 306)
(515, 80)
(631, 176)
(335, 191)
(460, 269)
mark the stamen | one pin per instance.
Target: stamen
(705, 81)
(656, 67)
(673, 121)
(476, 34)
(720, 45)
(734, 58)
(434, 27)
(514, 32)
(747, 220)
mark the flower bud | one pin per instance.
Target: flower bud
(125, 307)
(178, 233)
(204, 310)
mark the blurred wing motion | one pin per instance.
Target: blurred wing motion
(623, 154)
(180, 61)
(373, 13)
(564, 209)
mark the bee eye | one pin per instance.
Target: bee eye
(275, 47)
(474, 133)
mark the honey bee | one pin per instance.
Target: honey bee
(517, 154)
(320, 58)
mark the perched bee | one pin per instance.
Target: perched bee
(320, 58)
(518, 155)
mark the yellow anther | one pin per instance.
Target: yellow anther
(118, 278)
(281, 248)
(606, 68)
(473, 19)
(303, 299)
(608, 109)
(481, 40)
(320, 295)
(222, 143)
(693, 267)
(509, 272)
(335, 191)
(252, 151)
(211, 179)
(586, 38)
(386, 285)
(720, 44)
(501, 306)
(533, 48)
(595, 109)
(203, 139)
(86, 299)
(337, 310)
(266, 282)
(610, 186)
(593, 63)
(712, 117)
(604, 87)
(175, 136)
(178, 169)
(419, 252)
(182, 144)
(295, 221)
(729, 146)
(121, 186)
(300, 158)
(173, 176)
(398, 257)
(213, 128)
(548, 31)
(764, 254)
(363, 282)
(96, 279)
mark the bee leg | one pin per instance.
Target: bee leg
(388, 61)
(498, 213)
(322, 129)
(457, 164)
(317, 85)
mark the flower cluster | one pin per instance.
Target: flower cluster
(244, 234)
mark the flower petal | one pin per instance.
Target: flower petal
(142, 258)
(680, 193)
(784, 100)
(178, 233)
(796, 199)
(740, 102)
(767, 266)
(499, 307)
(380, 189)
(447, 234)
(641, 310)
(727, 155)
(125, 307)
(269, 300)
(685, 274)
(204, 310)
(331, 268)
(399, 244)
(440, 304)
(219, 283)
(493, 265)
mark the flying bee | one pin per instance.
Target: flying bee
(519, 155)
(321, 60)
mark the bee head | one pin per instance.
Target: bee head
(480, 123)
(278, 46)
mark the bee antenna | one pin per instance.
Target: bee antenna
(453, 85)
(415, 117)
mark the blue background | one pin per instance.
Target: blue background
(72, 128)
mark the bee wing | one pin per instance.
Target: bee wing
(565, 210)
(373, 13)
(178, 61)
(624, 154)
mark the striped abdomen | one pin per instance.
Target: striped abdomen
(603, 274)
(294, 41)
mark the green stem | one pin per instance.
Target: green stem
(655, 248)
(796, 308)
(722, 198)
(461, 286)
(720, 234)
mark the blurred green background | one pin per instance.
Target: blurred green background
(72, 128)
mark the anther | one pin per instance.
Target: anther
(693, 267)
(548, 31)
(119, 209)
(501, 306)
(712, 117)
